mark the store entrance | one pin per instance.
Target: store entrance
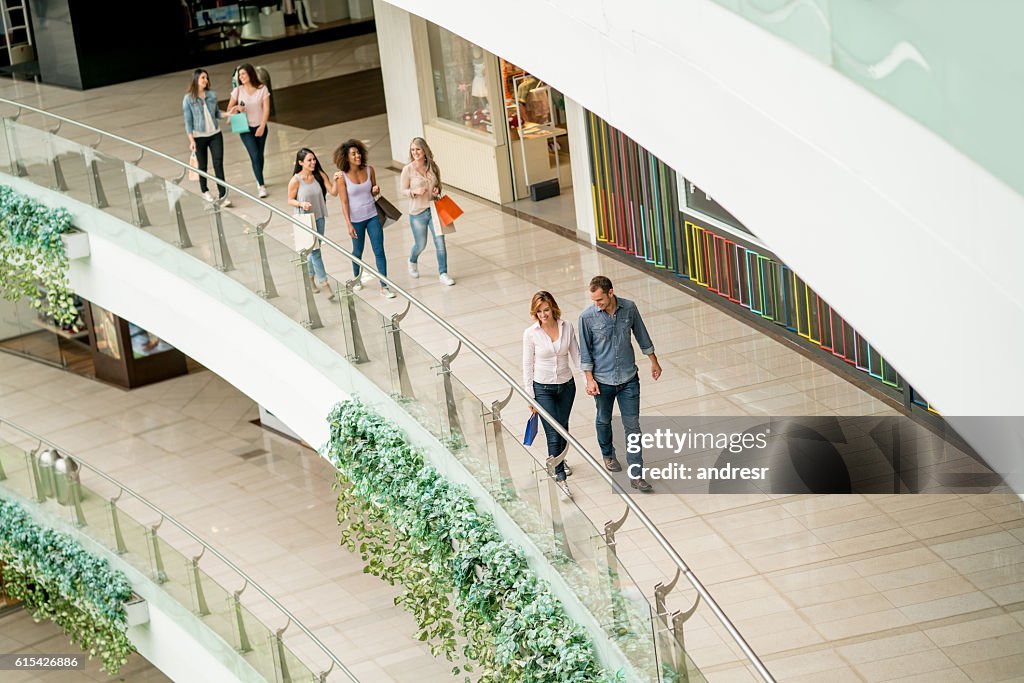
(538, 149)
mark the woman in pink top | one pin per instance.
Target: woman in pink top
(253, 98)
(421, 183)
(551, 353)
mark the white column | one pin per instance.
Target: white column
(399, 70)
(579, 152)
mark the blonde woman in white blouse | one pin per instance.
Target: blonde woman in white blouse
(551, 354)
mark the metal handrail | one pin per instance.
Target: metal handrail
(513, 384)
(164, 516)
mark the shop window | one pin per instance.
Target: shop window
(459, 72)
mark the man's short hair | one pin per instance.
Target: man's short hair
(600, 282)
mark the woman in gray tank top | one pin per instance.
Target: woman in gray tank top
(307, 192)
(357, 186)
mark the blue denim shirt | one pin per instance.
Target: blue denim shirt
(605, 347)
(193, 111)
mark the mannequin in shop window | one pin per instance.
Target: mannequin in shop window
(479, 86)
(300, 8)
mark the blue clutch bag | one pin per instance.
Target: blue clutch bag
(532, 427)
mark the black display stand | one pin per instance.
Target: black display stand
(116, 361)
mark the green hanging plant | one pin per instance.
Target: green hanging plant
(474, 597)
(58, 579)
(34, 263)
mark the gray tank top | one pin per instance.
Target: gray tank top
(311, 192)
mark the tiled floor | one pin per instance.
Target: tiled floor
(835, 588)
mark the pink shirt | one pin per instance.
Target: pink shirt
(254, 103)
(546, 361)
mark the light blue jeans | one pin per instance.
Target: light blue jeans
(315, 261)
(420, 223)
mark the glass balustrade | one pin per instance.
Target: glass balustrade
(135, 530)
(953, 67)
(420, 363)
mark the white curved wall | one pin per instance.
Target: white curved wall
(826, 174)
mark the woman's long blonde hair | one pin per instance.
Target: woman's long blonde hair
(429, 156)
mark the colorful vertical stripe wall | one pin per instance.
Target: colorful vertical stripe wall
(637, 210)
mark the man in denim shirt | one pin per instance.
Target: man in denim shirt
(607, 360)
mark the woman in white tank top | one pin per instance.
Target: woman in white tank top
(357, 189)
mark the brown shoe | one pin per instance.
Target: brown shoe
(612, 465)
(641, 485)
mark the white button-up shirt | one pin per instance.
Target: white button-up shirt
(546, 361)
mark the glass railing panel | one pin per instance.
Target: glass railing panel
(521, 492)
(135, 541)
(213, 604)
(31, 151)
(463, 418)
(17, 470)
(630, 622)
(290, 668)
(190, 229)
(287, 273)
(108, 182)
(92, 510)
(148, 207)
(254, 640)
(174, 571)
(416, 386)
(234, 250)
(372, 360)
(70, 170)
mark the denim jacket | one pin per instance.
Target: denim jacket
(193, 110)
(605, 346)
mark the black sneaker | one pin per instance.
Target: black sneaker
(612, 465)
(641, 485)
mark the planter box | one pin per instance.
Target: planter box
(76, 245)
(137, 611)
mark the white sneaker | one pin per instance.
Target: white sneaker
(357, 285)
(207, 196)
(386, 292)
(226, 202)
(446, 280)
(263, 191)
(414, 270)
(366, 277)
(563, 487)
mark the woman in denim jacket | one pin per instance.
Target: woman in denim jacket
(202, 125)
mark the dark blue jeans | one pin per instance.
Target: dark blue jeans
(372, 228)
(628, 395)
(213, 144)
(254, 146)
(556, 399)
